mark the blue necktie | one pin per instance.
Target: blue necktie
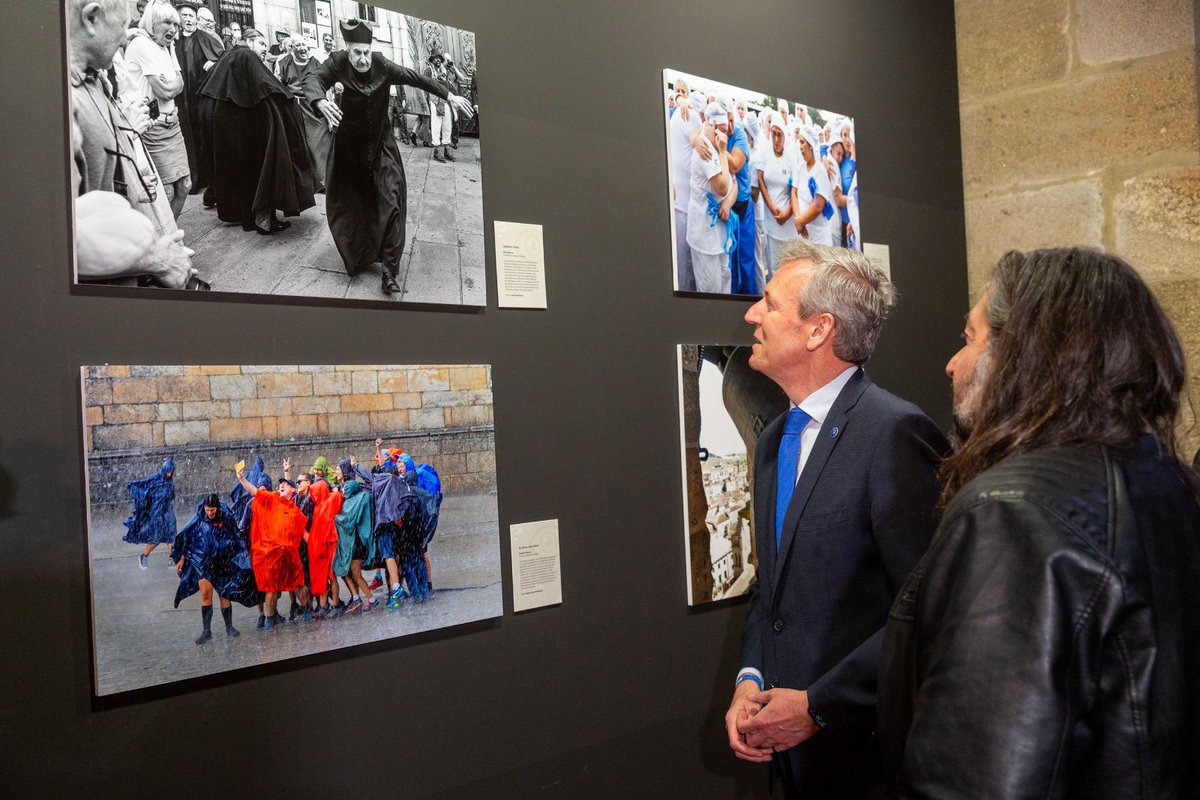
(785, 466)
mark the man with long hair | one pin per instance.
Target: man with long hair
(1048, 643)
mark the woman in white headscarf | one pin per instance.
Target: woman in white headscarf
(833, 165)
(812, 193)
(774, 176)
(710, 185)
(762, 142)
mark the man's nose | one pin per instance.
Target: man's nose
(752, 313)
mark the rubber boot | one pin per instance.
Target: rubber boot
(227, 615)
(206, 617)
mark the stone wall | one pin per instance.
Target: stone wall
(1080, 126)
(208, 418)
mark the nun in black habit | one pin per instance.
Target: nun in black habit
(256, 142)
(197, 51)
(366, 194)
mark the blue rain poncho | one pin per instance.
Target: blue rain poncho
(153, 517)
(213, 550)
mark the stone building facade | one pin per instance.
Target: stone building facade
(209, 417)
(1081, 125)
(404, 39)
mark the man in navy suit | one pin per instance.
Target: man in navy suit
(844, 492)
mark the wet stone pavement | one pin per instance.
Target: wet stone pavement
(141, 640)
(443, 258)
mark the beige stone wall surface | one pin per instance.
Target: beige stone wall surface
(206, 418)
(137, 407)
(1081, 126)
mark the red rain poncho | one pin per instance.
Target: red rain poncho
(322, 537)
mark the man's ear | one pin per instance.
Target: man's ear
(89, 15)
(824, 328)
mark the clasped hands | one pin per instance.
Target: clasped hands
(760, 723)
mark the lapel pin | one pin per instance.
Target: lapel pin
(833, 432)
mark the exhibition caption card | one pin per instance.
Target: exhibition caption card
(536, 570)
(520, 265)
(880, 256)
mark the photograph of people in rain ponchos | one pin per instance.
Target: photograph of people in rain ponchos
(748, 172)
(297, 539)
(297, 559)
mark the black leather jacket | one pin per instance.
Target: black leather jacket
(1048, 643)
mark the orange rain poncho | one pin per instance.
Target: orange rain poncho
(276, 528)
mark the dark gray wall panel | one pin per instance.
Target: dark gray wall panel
(621, 690)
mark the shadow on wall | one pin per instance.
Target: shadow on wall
(8, 488)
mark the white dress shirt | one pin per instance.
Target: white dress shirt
(817, 406)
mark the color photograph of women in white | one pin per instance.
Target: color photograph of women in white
(747, 172)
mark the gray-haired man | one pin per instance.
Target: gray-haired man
(109, 156)
(844, 492)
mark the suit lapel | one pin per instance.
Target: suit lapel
(827, 440)
(764, 495)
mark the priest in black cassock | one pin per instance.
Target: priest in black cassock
(197, 51)
(366, 196)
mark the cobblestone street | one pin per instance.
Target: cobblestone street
(141, 640)
(443, 258)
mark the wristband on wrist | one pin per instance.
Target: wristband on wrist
(749, 676)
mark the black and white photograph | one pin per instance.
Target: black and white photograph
(748, 172)
(295, 148)
(240, 515)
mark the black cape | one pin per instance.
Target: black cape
(213, 551)
(258, 153)
(366, 196)
(193, 53)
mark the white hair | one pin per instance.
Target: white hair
(158, 11)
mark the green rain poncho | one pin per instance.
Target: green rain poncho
(353, 525)
(322, 464)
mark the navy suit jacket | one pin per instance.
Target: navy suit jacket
(860, 517)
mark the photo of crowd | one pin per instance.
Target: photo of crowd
(748, 172)
(275, 493)
(209, 154)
